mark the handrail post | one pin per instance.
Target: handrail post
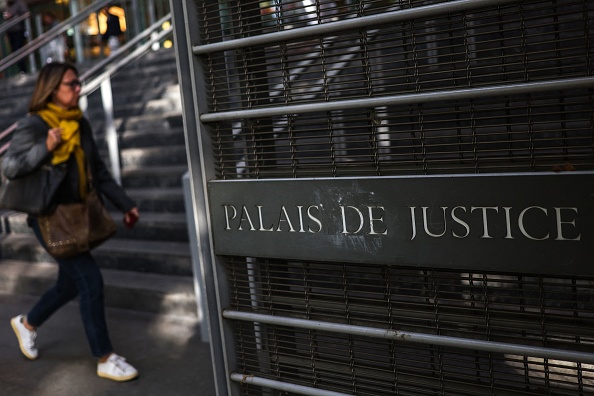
(29, 32)
(151, 11)
(101, 43)
(111, 134)
(77, 36)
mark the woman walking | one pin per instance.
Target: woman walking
(55, 130)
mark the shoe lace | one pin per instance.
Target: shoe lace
(120, 363)
(30, 342)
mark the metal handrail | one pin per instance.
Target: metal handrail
(14, 21)
(51, 34)
(5, 134)
(109, 66)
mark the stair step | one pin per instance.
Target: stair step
(125, 95)
(15, 222)
(159, 257)
(151, 227)
(154, 227)
(147, 156)
(164, 200)
(23, 247)
(145, 67)
(152, 137)
(153, 176)
(151, 122)
(134, 105)
(136, 122)
(163, 105)
(138, 138)
(162, 294)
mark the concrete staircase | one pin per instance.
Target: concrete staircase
(149, 267)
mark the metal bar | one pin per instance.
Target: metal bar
(13, 22)
(78, 39)
(110, 131)
(201, 169)
(252, 277)
(425, 97)
(199, 282)
(420, 338)
(282, 386)
(32, 67)
(348, 24)
(151, 11)
(5, 133)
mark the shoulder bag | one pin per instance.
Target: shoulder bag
(72, 229)
(34, 192)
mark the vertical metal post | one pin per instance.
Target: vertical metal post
(151, 11)
(136, 28)
(199, 281)
(78, 41)
(251, 270)
(101, 43)
(111, 134)
(39, 30)
(32, 66)
(201, 170)
(151, 14)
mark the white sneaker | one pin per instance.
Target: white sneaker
(115, 368)
(25, 336)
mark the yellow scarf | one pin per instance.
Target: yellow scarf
(68, 120)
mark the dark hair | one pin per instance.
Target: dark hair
(49, 79)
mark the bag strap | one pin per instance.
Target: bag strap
(90, 184)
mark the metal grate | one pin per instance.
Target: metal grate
(519, 134)
(521, 309)
(513, 44)
(318, 89)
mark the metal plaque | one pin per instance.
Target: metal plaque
(539, 223)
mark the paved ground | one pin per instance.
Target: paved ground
(168, 353)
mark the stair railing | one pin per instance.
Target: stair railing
(26, 18)
(98, 76)
(35, 44)
(104, 70)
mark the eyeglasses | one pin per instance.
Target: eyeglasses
(72, 84)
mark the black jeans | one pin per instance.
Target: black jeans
(80, 276)
(17, 41)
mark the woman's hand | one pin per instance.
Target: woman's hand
(54, 138)
(131, 217)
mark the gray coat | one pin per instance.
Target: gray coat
(28, 151)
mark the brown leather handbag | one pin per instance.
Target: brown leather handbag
(76, 228)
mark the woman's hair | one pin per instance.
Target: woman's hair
(48, 81)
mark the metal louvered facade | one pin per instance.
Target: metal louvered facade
(353, 90)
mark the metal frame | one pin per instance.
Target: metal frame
(201, 170)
